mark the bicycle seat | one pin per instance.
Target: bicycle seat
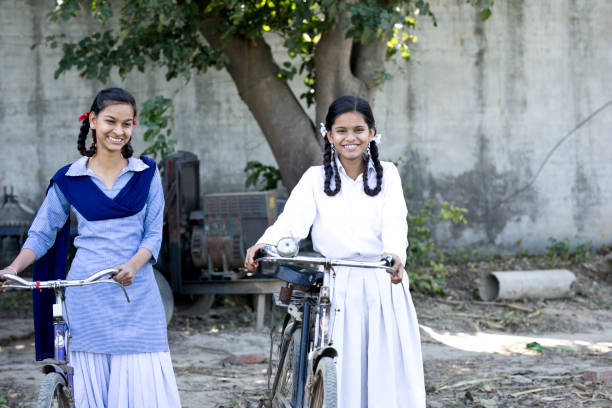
(299, 276)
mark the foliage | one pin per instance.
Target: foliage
(420, 229)
(428, 281)
(563, 249)
(484, 6)
(258, 174)
(157, 115)
(161, 33)
(425, 274)
(534, 345)
(166, 32)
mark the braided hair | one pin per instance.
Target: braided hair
(377, 167)
(342, 105)
(104, 98)
(331, 168)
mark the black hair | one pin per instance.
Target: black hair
(342, 105)
(104, 98)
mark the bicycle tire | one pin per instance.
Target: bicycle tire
(282, 391)
(325, 385)
(52, 392)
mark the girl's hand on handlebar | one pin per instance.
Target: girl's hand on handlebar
(398, 268)
(126, 274)
(8, 269)
(251, 254)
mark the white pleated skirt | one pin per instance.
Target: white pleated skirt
(376, 333)
(137, 380)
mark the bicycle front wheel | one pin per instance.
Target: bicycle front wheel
(53, 392)
(284, 386)
(325, 385)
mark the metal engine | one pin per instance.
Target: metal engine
(208, 242)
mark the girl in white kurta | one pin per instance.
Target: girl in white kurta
(375, 328)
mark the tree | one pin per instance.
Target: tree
(340, 46)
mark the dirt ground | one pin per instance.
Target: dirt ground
(475, 353)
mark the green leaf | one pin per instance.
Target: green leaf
(537, 347)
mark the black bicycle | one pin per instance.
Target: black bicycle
(306, 370)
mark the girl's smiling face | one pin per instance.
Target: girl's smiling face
(350, 135)
(113, 126)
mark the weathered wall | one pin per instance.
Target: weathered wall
(472, 117)
(484, 103)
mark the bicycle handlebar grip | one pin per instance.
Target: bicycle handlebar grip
(388, 260)
(261, 252)
(13, 278)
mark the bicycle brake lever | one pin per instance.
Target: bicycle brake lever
(111, 275)
(124, 291)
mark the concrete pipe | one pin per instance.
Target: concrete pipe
(541, 284)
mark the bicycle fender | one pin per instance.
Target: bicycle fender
(61, 369)
(319, 354)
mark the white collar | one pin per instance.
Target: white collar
(79, 167)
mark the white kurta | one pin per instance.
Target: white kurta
(375, 328)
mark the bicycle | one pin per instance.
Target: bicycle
(306, 369)
(57, 387)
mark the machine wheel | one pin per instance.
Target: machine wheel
(53, 392)
(201, 304)
(325, 385)
(166, 294)
(282, 389)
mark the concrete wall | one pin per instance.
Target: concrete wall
(471, 118)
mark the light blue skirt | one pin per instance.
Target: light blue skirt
(137, 380)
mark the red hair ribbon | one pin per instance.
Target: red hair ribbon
(134, 122)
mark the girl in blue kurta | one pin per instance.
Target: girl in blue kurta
(119, 350)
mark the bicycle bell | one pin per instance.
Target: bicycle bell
(287, 247)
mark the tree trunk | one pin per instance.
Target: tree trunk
(287, 128)
(368, 62)
(334, 77)
(345, 67)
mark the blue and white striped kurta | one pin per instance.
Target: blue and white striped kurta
(101, 320)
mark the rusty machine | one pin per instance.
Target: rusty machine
(15, 220)
(205, 238)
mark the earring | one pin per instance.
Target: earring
(333, 151)
(366, 154)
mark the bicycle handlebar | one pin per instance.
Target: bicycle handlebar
(20, 283)
(384, 263)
